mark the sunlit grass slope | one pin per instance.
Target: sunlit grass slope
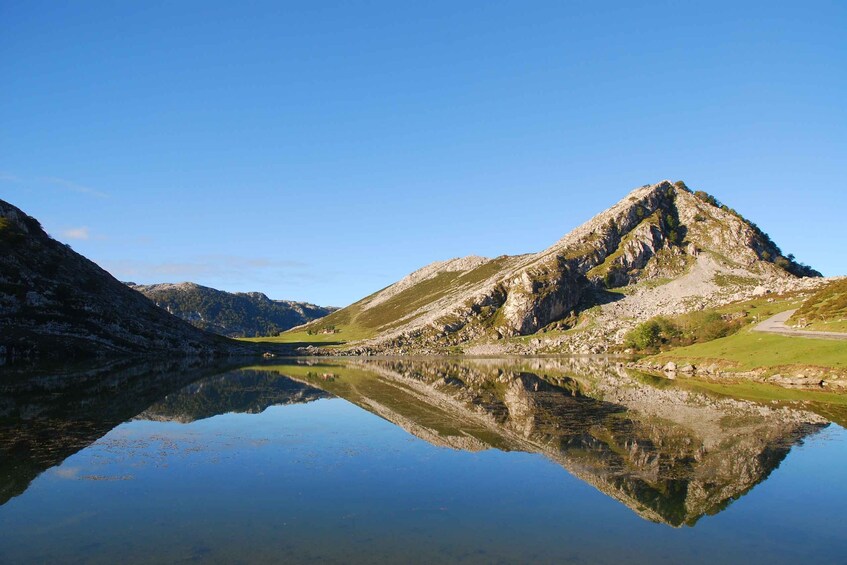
(826, 310)
(748, 350)
(362, 320)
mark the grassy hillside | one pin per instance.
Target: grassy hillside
(826, 310)
(748, 350)
(664, 332)
(363, 320)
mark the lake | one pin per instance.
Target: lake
(555, 460)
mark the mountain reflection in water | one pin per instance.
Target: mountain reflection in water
(670, 454)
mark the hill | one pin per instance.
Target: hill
(239, 314)
(55, 303)
(662, 249)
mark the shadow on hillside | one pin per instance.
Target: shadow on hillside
(602, 296)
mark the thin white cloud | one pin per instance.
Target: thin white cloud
(64, 184)
(216, 268)
(77, 233)
(67, 472)
(73, 187)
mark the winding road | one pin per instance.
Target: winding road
(776, 325)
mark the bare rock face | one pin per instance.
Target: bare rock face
(55, 303)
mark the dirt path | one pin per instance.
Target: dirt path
(776, 325)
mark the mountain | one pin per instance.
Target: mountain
(55, 303)
(239, 314)
(672, 248)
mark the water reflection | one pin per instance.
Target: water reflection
(671, 455)
(47, 417)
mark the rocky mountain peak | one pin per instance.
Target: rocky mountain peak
(659, 232)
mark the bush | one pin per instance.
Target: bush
(705, 326)
(611, 277)
(673, 237)
(708, 198)
(652, 334)
(671, 221)
(695, 327)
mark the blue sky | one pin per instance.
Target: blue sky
(320, 151)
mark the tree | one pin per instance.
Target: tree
(708, 198)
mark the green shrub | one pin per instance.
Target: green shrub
(708, 198)
(694, 327)
(671, 221)
(652, 334)
(610, 278)
(673, 237)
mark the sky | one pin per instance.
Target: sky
(320, 151)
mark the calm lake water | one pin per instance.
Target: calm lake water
(387, 461)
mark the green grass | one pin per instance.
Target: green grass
(825, 310)
(703, 326)
(724, 280)
(831, 326)
(485, 271)
(358, 321)
(298, 337)
(406, 302)
(748, 350)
